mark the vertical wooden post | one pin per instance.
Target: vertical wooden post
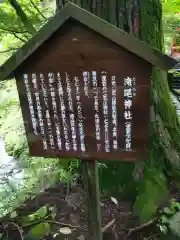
(92, 194)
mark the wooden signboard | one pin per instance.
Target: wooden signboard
(82, 95)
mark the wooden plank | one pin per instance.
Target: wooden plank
(91, 187)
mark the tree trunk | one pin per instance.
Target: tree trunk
(27, 23)
(143, 18)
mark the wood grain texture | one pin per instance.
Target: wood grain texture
(92, 195)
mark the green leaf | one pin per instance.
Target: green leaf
(41, 212)
(39, 231)
(13, 214)
(175, 205)
(163, 229)
(168, 211)
(28, 219)
(164, 219)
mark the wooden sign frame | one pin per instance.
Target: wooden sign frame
(87, 105)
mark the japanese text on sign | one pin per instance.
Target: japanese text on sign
(57, 113)
(114, 113)
(128, 95)
(79, 114)
(96, 109)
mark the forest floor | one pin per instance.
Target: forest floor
(117, 217)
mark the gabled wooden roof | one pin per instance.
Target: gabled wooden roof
(109, 31)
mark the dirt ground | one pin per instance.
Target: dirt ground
(71, 212)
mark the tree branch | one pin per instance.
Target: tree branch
(9, 50)
(21, 39)
(63, 224)
(147, 224)
(37, 9)
(5, 29)
(17, 227)
(52, 222)
(17, 7)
